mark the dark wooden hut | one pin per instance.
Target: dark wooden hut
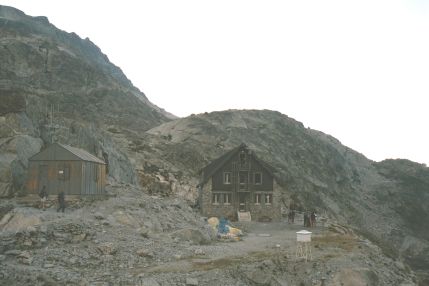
(239, 182)
(63, 168)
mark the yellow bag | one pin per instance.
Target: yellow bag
(213, 222)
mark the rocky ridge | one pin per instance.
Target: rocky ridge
(57, 87)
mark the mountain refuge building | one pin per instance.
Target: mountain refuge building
(64, 168)
(239, 183)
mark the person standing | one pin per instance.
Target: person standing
(43, 197)
(313, 219)
(291, 216)
(306, 220)
(61, 201)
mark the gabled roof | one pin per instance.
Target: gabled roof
(209, 170)
(61, 152)
(82, 154)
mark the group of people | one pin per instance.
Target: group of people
(309, 218)
(44, 197)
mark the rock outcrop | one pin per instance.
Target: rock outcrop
(57, 87)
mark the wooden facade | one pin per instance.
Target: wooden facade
(63, 168)
(239, 181)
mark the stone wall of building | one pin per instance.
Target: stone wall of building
(264, 211)
(259, 212)
(209, 209)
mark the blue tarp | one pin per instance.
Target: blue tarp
(223, 227)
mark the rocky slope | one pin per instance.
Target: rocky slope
(55, 86)
(386, 201)
(132, 238)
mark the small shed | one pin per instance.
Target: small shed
(64, 168)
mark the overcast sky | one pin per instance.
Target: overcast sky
(358, 70)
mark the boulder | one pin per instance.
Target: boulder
(6, 190)
(12, 101)
(144, 232)
(6, 218)
(161, 188)
(355, 277)
(337, 228)
(107, 248)
(153, 225)
(199, 251)
(125, 219)
(6, 187)
(259, 277)
(260, 273)
(14, 156)
(18, 221)
(190, 234)
(13, 252)
(145, 253)
(46, 280)
(148, 282)
(99, 216)
(192, 281)
(25, 258)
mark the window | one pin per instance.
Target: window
(268, 199)
(215, 199)
(61, 175)
(257, 199)
(227, 178)
(227, 199)
(257, 178)
(243, 180)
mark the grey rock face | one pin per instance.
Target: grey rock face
(57, 87)
(19, 142)
(12, 102)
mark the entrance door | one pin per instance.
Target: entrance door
(242, 199)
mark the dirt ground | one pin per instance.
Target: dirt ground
(261, 240)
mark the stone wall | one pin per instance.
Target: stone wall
(220, 210)
(270, 212)
(258, 212)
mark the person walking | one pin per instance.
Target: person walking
(43, 197)
(61, 201)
